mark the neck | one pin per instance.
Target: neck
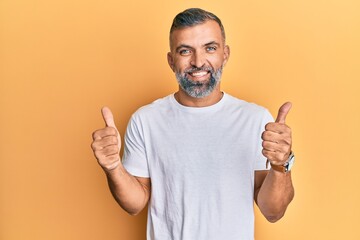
(184, 99)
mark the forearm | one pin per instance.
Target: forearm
(128, 192)
(275, 195)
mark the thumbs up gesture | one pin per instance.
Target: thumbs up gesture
(277, 138)
(107, 143)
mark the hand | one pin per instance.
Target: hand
(107, 143)
(277, 138)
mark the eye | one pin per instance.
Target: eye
(211, 49)
(184, 52)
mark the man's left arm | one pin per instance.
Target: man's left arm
(273, 190)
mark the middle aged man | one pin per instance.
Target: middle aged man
(199, 155)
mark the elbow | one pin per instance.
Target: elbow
(275, 213)
(274, 217)
(132, 209)
(133, 212)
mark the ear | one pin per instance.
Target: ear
(226, 54)
(170, 60)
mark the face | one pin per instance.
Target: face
(197, 57)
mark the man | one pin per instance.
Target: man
(199, 156)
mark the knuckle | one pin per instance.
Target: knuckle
(95, 135)
(263, 135)
(265, 144)
(93, 146)
(266, 135)
(264, 152)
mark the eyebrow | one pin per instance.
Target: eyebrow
(190, 47)
(212, 43)
(183, 46)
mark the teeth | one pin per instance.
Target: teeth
(199, 74)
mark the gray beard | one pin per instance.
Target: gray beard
(199, 89)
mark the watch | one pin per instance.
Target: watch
(287, 166)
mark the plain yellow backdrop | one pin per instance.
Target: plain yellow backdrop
(61, 61)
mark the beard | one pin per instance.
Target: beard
(199, 89)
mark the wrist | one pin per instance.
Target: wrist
(115, 169)
(286, 167)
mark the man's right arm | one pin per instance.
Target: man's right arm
(132, 193)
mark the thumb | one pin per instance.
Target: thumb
(108, 117)
(283, 111)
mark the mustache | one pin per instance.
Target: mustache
(196, 69)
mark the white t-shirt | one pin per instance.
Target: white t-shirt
(201, 162)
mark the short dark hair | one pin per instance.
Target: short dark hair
(194, 16)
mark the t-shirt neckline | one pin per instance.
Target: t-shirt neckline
(213, 107)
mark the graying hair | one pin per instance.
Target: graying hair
(194, 16)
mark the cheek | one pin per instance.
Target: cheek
(216, 61)
(180, 65)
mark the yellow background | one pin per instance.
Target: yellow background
(62, 60)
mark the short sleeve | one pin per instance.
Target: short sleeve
(260, 163)
(134, 157)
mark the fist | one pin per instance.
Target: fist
(277, 138)
(107, 143)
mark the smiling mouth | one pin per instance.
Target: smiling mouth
(199, 76)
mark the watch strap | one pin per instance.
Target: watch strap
(279, 168)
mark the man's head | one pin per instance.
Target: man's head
(198, 51)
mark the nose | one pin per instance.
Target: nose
(198, 60)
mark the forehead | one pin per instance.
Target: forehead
(197, 35)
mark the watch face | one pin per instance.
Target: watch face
(290, 163)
